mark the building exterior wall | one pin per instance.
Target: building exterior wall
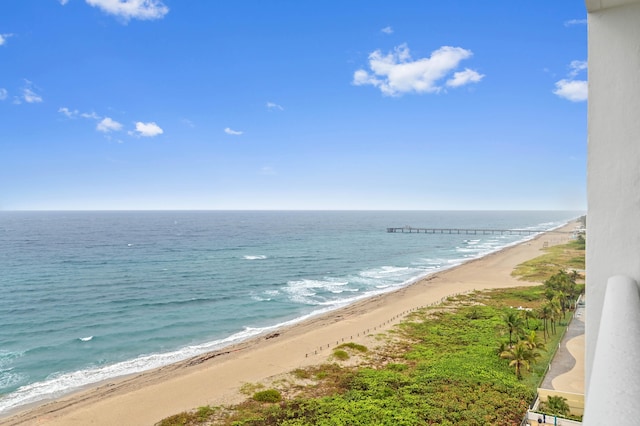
(613, 169)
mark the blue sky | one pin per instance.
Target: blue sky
(285, 104)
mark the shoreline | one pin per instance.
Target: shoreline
(215, 378)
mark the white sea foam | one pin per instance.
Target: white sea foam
(7, 357)
(9, 377)
(477, 248)
(384, 271)
(255, 257)
(258, 298)
(468, 250)
(303, 291)
(85, 339)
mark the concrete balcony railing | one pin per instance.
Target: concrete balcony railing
(614, 390)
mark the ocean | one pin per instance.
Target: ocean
(88, 296)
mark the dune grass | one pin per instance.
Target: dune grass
(564, 256)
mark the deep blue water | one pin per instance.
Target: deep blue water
(87, 296)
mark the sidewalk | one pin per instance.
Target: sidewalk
(566, 372)
(565, 376)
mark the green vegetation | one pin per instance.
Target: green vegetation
(341, 355)
(200, 416)
(514, 323)
(521, 356)
(269, 395)
(555, 406)
(342, 352)
(354, 346)
(471, 360)
(300, 373)
(250, 388)
(566, 257)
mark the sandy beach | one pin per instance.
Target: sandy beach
(215, 378)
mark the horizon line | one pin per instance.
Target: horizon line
(288, 210)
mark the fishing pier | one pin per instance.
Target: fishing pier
(468, 231)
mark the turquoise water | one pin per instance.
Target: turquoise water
(88, 296)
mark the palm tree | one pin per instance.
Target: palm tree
(521, 357)
(556, 312)
(574, 290)
(513, 323)
(544, 313)
(526, 314)
(563, 300)
(562, 284)
(533, 342)
(556, 406)
(550, 311)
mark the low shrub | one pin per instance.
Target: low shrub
(205, 412)
(397, 367)
(354, 346)
(300, 373)
(269, 395)
(180, 419)
(341, 355)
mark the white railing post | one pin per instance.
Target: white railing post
(614, 389)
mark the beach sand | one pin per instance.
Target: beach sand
(216, 378)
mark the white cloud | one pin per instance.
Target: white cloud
(573, 90)
(30, 96)
(70, 114)
(575, 22)
(577, 66)
(75, 113)
(107, 125)
(464, 77)
(63, 2)
(132, 9)
(90, 115)
(232, 132)
(3, 94)
(4, 37)
(397, 73)
(272, 106)
(148, 129)
(387, 30)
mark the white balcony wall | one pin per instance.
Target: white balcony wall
(615, 380)
(613, 170)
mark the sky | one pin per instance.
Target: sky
(293, 105)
